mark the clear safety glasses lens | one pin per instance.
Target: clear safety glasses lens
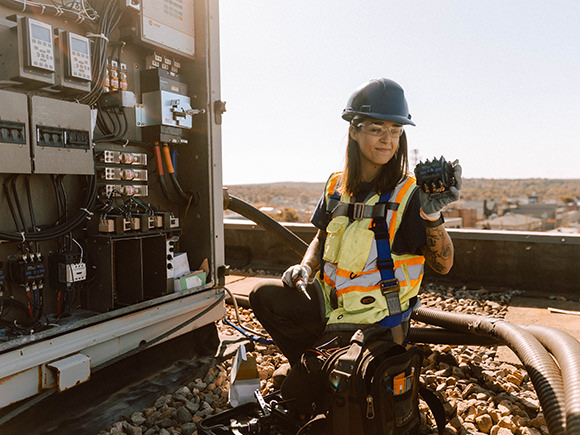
(381, 130)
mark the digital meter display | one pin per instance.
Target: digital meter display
(39, 32)
(79, 45)
(39, 46)
(78, 56)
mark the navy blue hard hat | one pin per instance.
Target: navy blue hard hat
(381, 99)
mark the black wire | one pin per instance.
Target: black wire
(17, 202)
(10, 205)
(30, 208)
(117, 118)
(62, 229)
(59, 206)
(122, 109)
(64, 195)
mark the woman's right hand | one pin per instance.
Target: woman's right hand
(296, 272)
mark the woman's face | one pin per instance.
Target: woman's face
(378, 142)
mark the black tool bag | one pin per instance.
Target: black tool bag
(368, 386)
(373, 386)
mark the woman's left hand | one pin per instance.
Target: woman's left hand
(435, 202)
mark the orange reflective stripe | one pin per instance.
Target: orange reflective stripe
(415, 282)
(355, 288)
(398, 199)
(410, 262)
(332, 184)
(328, 281)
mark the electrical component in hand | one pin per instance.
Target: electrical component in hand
(435, 176)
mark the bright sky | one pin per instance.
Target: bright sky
(495, 84)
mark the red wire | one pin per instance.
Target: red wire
(158, 160)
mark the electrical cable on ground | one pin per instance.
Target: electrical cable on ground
(259, 336)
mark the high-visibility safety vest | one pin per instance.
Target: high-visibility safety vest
(353, 288)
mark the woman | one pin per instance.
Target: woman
(375, 232)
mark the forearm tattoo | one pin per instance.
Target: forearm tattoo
(439, 250)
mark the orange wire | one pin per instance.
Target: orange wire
(168, 161)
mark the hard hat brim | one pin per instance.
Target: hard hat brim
(348, 115)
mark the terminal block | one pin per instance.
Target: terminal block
(26, 269)
(123, 158)
(125, 189)
(115, 225)
(435, 176)
(166, 221)
(123, 174)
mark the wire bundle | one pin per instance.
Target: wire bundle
(63, 225)
(110, 15)
(112, 121)
(80, 10)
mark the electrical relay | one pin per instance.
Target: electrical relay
(435, 176)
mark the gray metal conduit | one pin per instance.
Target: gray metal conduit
(566, 350)
(543, 370)
(250, 212)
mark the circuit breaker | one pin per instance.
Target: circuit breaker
(14, 134)
(61, 144)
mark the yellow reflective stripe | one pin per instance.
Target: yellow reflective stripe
(392, 224)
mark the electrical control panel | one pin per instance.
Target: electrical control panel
(110, 167)
(169, 25)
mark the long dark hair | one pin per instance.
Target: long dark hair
(391, 174)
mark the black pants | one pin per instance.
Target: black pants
(294, 322)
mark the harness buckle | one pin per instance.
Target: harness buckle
(389, 285)
(357, 212)
(390, 290)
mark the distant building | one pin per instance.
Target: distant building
(468, 217)
(512, 222)
(552, 215)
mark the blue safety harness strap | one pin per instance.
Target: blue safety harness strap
(389, 283)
